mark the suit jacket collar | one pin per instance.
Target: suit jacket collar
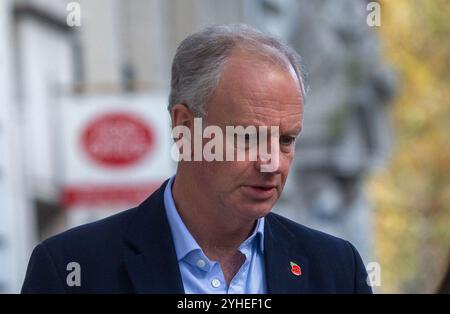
(282, 249)
(152, 263)
(150, 254)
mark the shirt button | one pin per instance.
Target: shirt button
(215, 283)
(201, 263)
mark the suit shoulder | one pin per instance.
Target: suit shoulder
(313, 238)
(91, 234)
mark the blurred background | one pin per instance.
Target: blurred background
(84, 130)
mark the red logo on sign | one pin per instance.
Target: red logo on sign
(117, 139)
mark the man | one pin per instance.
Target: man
(209, 228)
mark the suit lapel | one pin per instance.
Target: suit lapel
(152, 264)
(280, 249)
(150, 256)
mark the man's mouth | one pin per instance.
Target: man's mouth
(259, 192)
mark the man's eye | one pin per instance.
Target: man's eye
(287, 140)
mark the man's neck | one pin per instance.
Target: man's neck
(218, 234)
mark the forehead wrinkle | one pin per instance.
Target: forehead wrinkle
(271, 116)
(266, 110)
(262, 120)
(274, 104)
(252, 97)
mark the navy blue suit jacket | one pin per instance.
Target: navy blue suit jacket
(133, 252)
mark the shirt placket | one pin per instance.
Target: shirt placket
(237, 284)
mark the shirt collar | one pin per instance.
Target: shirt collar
(183, 239)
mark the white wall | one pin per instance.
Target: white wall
(46, 70)
(16, 221)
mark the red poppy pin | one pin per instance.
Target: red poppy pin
(295, 269)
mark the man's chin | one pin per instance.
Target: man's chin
(255, 211)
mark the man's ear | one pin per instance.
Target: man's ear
(182, 115)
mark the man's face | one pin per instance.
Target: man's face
(251, 94)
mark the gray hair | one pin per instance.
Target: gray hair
(200, 59)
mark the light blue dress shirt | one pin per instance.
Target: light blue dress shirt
(200, 274)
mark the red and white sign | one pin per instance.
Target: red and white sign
(101, 195)
(116, 150)
(117, 139)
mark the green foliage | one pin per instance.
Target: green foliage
(412, 195)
